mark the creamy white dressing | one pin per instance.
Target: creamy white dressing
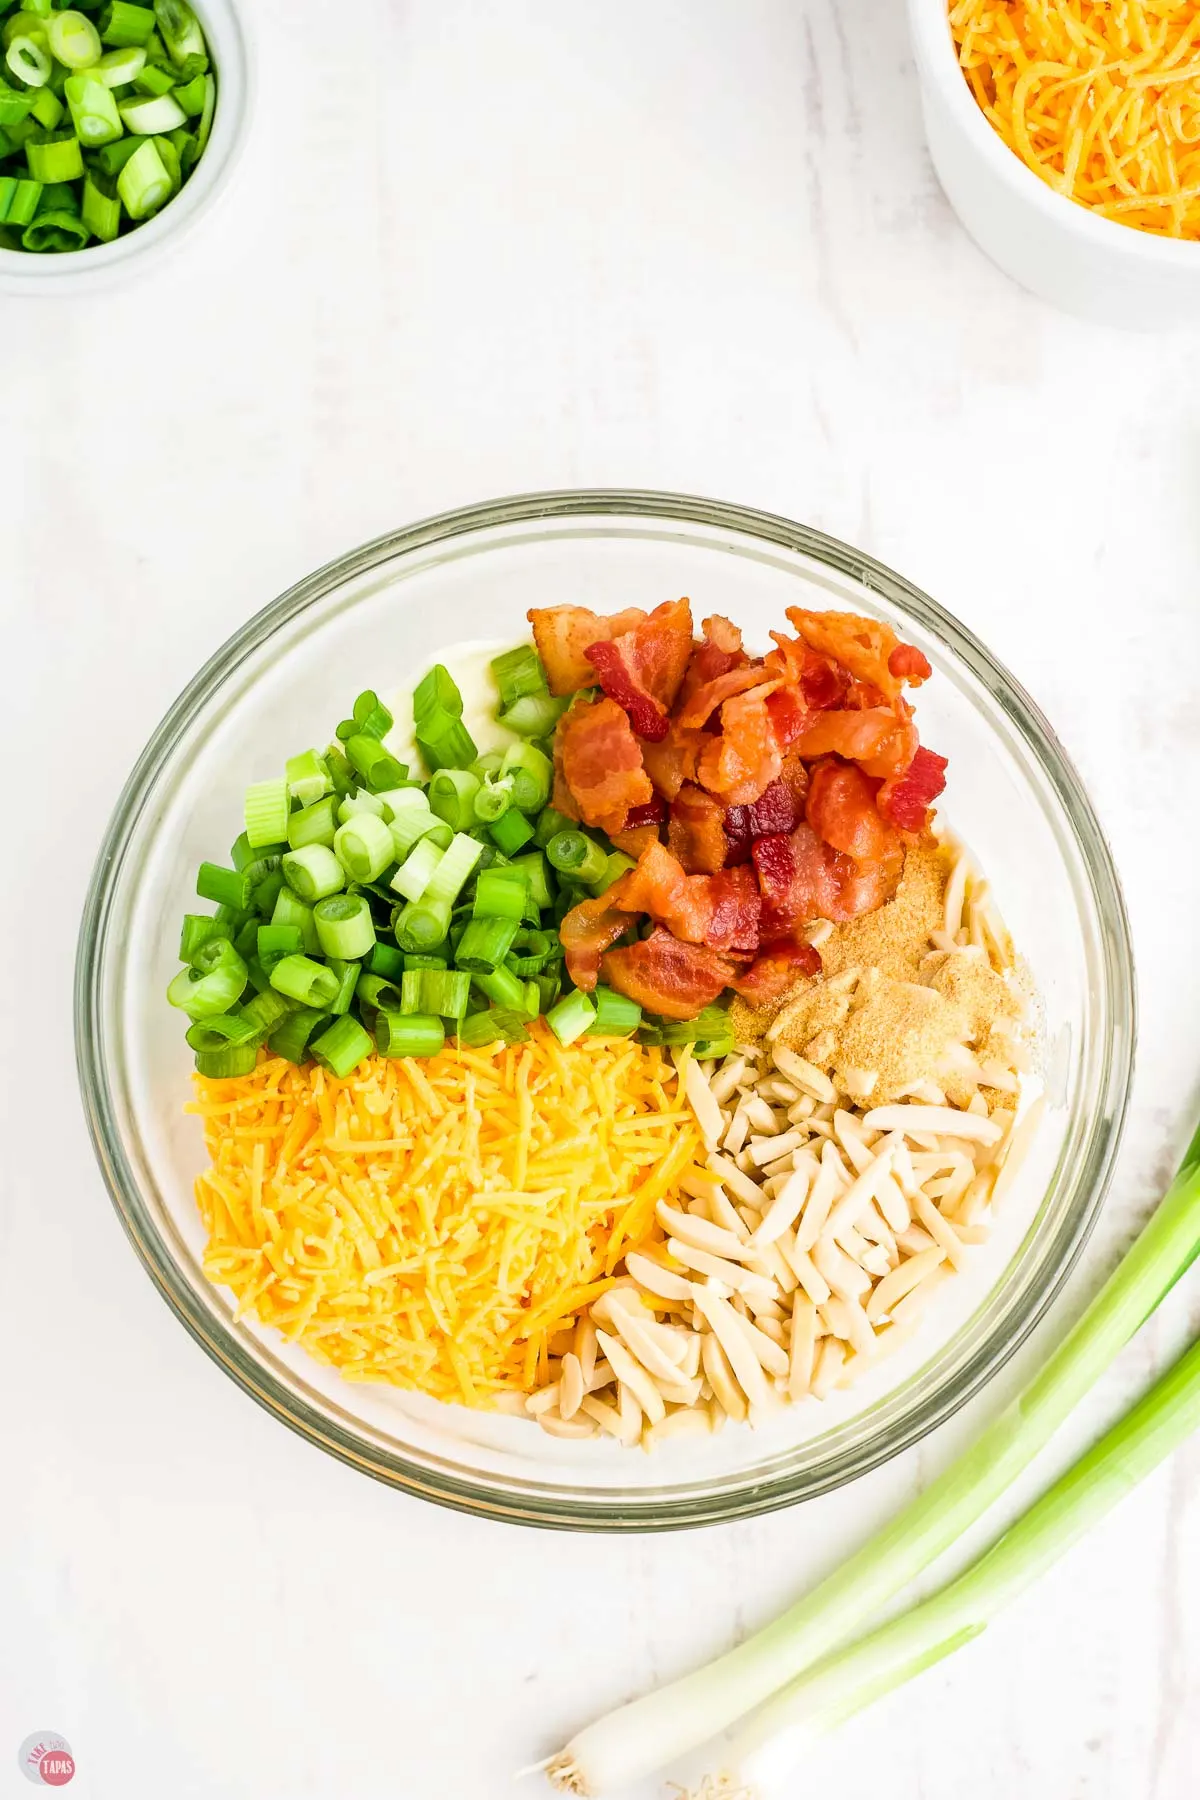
(468, 663)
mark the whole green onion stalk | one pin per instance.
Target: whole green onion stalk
(767, 1748)
(638, 1738)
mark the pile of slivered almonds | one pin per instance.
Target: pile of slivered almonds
(812, 1240)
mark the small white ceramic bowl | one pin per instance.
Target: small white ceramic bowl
(106, 265)
(1058, 250)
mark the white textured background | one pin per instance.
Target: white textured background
(478, 249)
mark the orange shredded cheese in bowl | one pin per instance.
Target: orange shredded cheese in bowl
(434, 1224)
(1100, 98)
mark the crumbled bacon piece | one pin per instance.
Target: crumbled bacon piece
(720, 910)
(602, 763)
(634, 839)
(819, 682)
(746, 757)
(780, 807)
(738, 836)
(881, 739)
(789, 714)
(653, 813)
(774, 970)
(696, 711)
(841, 810)
(720, 652)
(666, 977)
(696, 832)
(907, 663)
(861, 646)
(803, 878)
(562, 635)
(673, 761)
(906, 800)
(588, 930)
(642, 669)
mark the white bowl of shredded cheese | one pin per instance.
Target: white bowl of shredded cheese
(1067, 253)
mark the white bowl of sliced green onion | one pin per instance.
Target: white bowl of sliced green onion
(120, 123)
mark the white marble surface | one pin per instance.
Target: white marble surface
(479, 249)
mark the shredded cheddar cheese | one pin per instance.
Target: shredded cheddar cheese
(1101, 98)
(435, 1224)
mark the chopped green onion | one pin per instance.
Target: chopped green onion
(151, 114)
(371, 716)
(57, 230)
(73, 39)
(54, 156)
(29, 60)
(534, 716)
(180, 30)
(363, 846)
(313, 872)
(204, 129)
(274, 942)
(411, 988)
(117, 68)
(532, 1004)
(154, 80)
(290, 909)
(227, 887)
(492, 800)
(616, 1014)
(416, 871)
(265, 808)
(485, 943)
(502, 986)
(406, 798)
(384, 960)
(487, 764)
(341, 1047)
(362, 800)
(425, 960)
(101, 211)
(454, 870)
(530, 951)
(414, 823)
(47, 108)
(266, 1011)
(451, 796)
(307, 777)
(340, 772)
(123, 25)
(510, 831)
(377, 766)
(212, 983)
(445, 742)
(445, 991)
(302, 979)
(531, 774)
(408, 1034)
(710, 1024)
(533, 867)
(500, 893)
(144, 185)
(345, 928)
(111, 159)
(518, 672)
(15, 104)
(616, 864)
(422, 923)
(290, 1037)
(498, 1025)
(436, 692)
(580, 857)
(197, 929)
(376, 991)
(549, 987)
(347, 974)
(216, 1033)
(315, 824)
(549, 824)
(571, 1017)
(93, 110)
(228, 1064)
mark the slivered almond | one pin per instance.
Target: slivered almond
(721, 1377)
(892, 1289)
(942, 1121)
(732, 1275)
(631, 1375)
(571, 1386)
(734, 1179)
(657, 1280)
(644, 1344)
(726, 1079)
(699, 1232)
(803, 1343)
(742, 1359)
(804, 1075)
(709, 1116)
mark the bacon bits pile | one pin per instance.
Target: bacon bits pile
(757, 793)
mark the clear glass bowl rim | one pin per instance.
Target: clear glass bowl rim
(652, 1512)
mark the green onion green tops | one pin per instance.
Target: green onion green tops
(105, 111)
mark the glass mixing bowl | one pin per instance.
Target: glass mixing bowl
(376, 617)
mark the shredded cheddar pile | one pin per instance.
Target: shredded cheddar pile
(431, 1224)
(1101, 98)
